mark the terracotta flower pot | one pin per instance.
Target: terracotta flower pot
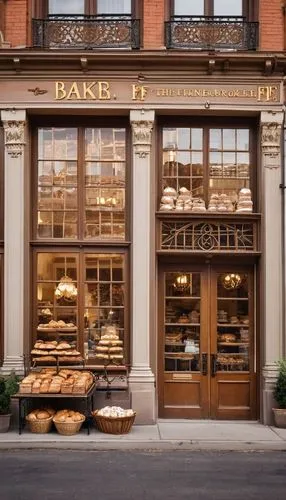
(5, 422)
(280, 417)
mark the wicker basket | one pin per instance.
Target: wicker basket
(68, 428)
(113, 425)
(40, 426)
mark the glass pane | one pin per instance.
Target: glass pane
(187, 8)
(184, 138)
(104, 308)
(57, 143)
(57, 292)
(105, 183)
(114, 6)
(228, 7)
(233, 321)
(197, 138)
(66, 7)
(228, 138)
(182, 321)
(215, 139)
(242, 139)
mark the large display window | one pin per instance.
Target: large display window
(79, 296)
(81, 183)
(207, 169)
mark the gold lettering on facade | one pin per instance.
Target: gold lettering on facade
(139, 92)
(103, 91)
(60, 91)
(82, 91)
(87, 90)
(74, 92)
(268, 93)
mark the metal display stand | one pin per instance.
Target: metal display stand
(86, 398)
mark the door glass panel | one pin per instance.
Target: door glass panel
(187, 8)
(233, 322)
(182, 321)
(227, 7)
(64, 7)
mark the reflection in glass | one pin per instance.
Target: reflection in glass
(64, 7)
(104, 299)
(187, 8)
(227, 7)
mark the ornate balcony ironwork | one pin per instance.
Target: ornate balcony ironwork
(211, 33)
(86, 32)
(209, 236)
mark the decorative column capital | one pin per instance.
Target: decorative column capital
(271, 128)
(14, 137)
(142, 124)
(14, 131)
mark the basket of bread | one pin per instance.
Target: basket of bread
(114, 420)
(40, 421)
(48, 381)
(68, 422)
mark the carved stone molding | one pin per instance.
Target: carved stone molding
(14, 137)
(271, 145)
(142, 133)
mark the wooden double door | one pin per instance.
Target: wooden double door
(206, 342)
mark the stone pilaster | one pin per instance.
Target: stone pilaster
(14, 130)
(141, 378)
(271, 139)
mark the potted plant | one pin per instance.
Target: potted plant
(8, 386)
(280, 395)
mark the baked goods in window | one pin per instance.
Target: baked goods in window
(244, 204)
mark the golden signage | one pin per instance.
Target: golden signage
(82, 91)
(102, 90)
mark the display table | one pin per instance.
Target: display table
(87, 398)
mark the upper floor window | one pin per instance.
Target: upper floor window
(99, 7)
(209, 8)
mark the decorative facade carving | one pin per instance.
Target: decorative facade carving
(271, 144)
(142, 133)
(14, 137)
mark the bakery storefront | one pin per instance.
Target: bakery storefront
(153, 207)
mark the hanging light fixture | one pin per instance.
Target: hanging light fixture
(231, 281)
(182, 283)
(66, 288)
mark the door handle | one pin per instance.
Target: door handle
(213, 365)
(204, 363)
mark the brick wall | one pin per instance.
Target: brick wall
(16, 19)
(153, 17)
(271, 19)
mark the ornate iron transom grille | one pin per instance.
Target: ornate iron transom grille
(208, 236)
(211, 33)
(86, 32)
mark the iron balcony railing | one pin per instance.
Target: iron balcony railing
(211, 33)
(86, 32)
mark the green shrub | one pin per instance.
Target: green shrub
(8, 386)
(280, 386)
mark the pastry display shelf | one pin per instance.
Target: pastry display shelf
(178, 297)
(233, 343)
(175, 344)
(233, 298)
(232, 325)
(241, 354)
(23, 399)
(182, 324)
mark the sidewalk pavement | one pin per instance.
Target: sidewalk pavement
(164, 435)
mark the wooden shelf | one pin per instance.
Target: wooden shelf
(232, 298)
(232, 325)
(180, 298)
(233, 343)
(182, 324)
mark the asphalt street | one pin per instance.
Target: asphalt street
(115, 475)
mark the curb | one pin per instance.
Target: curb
(159, 445)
